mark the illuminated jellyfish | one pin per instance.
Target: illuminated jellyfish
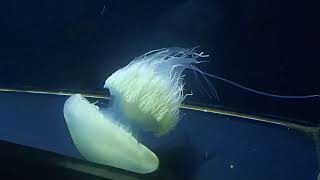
(147, 93)
(150, 90)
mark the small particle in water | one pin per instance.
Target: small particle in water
(231, 164)
(104, 7)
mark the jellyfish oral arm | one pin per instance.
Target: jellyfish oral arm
(102, 141)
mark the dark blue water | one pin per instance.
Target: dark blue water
(266, 45)
(270, 46)
(203, 145)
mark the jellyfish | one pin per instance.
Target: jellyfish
(147, 94)
(149, 90)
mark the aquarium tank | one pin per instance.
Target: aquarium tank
(159, 90)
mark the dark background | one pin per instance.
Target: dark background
(267, 45)
(203, 146)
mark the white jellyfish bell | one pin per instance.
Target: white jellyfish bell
(100, 139)
(147, 93)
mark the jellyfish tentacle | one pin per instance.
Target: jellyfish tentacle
(263, 93)
(210, 85)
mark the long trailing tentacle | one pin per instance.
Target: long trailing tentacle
(204, 74)
(263, 93)
(192, 54)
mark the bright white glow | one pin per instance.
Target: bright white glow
(102, 141)
(150, 89)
